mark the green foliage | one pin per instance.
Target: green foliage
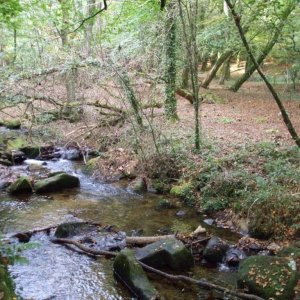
(260, 182)
(185, 191)
(45, 118)
(8, 10)
(13, 252)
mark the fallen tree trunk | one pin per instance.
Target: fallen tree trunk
(180, 278)
(185, 94)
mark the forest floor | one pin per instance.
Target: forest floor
(248, 116)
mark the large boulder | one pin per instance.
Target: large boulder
(215, 250)
(56, 183)
(21, 186)
(170, 253)
(270, 277)
(6, 286)
(130, 272)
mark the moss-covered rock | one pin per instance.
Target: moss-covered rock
(215, 250)
(71, 229)
(6, 286)
(139, 185)
(56, 183)
(16, 144)
(166, 253)
(91, 165)
(291, 252)
(21, 186)
(270, 277)
(130, 272)
(31, 151)
(12, 124)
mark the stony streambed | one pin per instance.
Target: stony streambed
(54, 272)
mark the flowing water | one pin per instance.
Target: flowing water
(56, 272)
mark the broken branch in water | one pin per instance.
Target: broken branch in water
(181, 278)
(143, 240)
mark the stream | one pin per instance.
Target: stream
(56, 272)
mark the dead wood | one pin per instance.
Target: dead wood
(185, 94)
(143, 240)
(180, 278)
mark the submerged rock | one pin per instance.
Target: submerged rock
(130, 272)
(70, 229)
(270, 277)
(56, 183)
(21, 186)
(166, 204)
(170, 253)
(215, 250)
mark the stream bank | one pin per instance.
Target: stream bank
(70, 273)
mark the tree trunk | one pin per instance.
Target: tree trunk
(204, 64)
(190, 39)
(185, 77)
(225, 71)
(213, 72)
(70, 76)
(88, 29)
(170, 71)
(15, 45)
(280, 105)
(250, 70)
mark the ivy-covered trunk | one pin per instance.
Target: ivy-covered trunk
(170, 63)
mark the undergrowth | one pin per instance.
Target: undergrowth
(260, 182)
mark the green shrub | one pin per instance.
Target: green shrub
(185, 191)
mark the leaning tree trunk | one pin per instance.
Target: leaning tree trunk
(213, 72)
(280, 105)
(225, 71)
(250, 70)
(170, 71)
